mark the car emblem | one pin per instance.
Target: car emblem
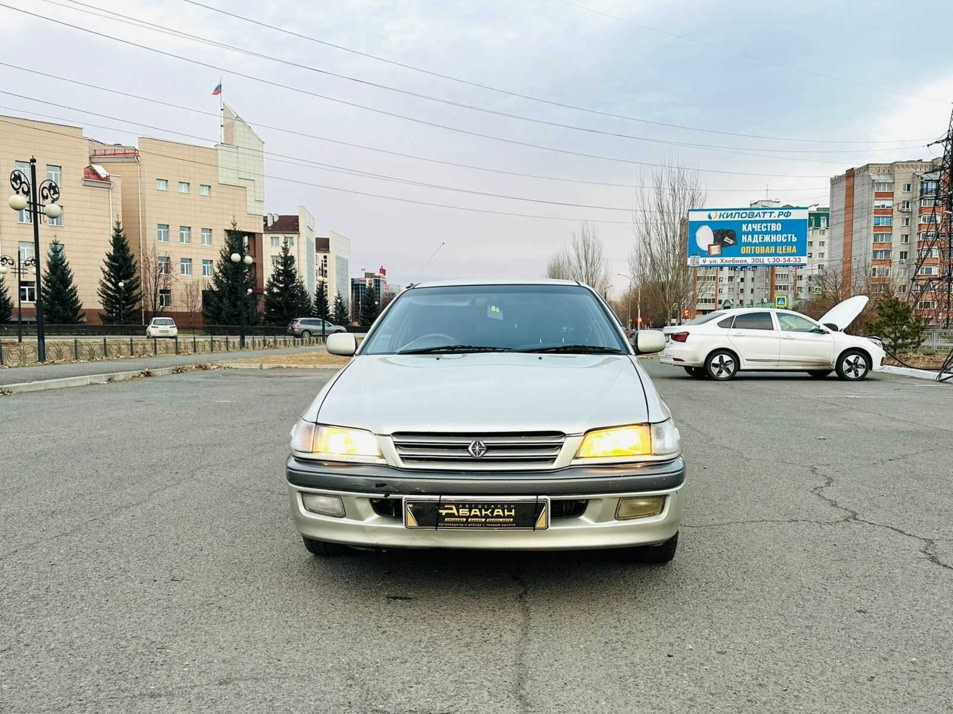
(476, 449)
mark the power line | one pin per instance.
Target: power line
(364, 146)
(520, 95)
(382, 111)
(739, 150)
(730, 51)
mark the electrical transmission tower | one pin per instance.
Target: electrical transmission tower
(931, 288)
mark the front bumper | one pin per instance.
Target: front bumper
(595, 527)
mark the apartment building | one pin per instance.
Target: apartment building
(91, 199)
(333, 265)
(371, 286)
(880, 217)
(297, 230)
(178, 201)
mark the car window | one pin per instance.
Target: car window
(726, 323)
(495, 316)
(754, 321)
(795, 323)
(166, 321)
(702, 319)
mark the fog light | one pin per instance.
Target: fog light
(639, 507)
(325, 505)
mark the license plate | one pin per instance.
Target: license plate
(529, 513)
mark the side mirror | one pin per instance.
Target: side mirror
(649, 341)
(342, 344)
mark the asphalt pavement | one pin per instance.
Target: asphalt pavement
(148, 563)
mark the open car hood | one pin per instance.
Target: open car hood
(844, 313)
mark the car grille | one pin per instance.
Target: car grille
(498, 451)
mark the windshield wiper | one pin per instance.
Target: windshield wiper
(577, 349)
(453, 348)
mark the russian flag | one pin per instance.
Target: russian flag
(217, 90)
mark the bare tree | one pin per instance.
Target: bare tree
(583, 259)
(156, 277)
(192, 298)
(659, 259)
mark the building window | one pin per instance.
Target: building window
(162, 184)
(904, 237)
(274, 260)
(205, 189)
(881, 238)
(905, 206)
(881, 255)
(820, 256)
(165, 297)
(290, 240)
(810, 244)
(883, 185)
(881, 272)
(823, 221)
(162, 233)
(907, 188)
(883, 203)
(185, 234)
(928, 187)
(183, 186)
(927, 270)
(163, 264)
(206, 236)
(928, 253)
(54, 173)
(185, 266)
(905, 221)
(27, 291)
(276, 241)
(822, 243)
(206, 268)
(883, 220)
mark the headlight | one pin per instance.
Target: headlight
(334, 443)
(660, 439)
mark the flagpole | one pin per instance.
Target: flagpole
(221, 109)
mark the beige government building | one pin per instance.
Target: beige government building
(175, 201)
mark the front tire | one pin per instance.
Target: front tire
(819, 373)
(655, 554)
(853, 365)
(721, 365)
(696, 372)
(323, 549)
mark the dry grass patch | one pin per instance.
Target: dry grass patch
(316, 358)
(921, 360)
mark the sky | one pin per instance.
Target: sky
(760, 103)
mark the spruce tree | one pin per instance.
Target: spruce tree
(227, 301)
(285, 296)
(340, 315)
(321, 308)
(61, 300)
(120, 304)
(369, 309)
(897, 325)
(6, 304)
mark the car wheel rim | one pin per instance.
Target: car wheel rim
(722, 365)
(854, 366)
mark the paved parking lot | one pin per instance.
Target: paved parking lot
(148, 564)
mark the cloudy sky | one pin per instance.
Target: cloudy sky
(766, 103)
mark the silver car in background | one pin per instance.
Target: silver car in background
(490, 415)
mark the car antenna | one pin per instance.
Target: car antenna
(426, 262)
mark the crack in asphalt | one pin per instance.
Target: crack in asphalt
(519, 684)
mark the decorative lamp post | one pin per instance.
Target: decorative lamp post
(37, 199)
(21, 266)
(122, 301)
(247, 261)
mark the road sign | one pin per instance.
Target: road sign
(817, 290)
(781, 301)
(747, 236)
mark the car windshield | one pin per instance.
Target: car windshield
(486, 318)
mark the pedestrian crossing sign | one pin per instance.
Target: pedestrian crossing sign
(781, 301)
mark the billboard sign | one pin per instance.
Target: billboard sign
(719, 237)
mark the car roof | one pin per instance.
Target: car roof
(502, 281)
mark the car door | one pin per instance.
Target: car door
(804, 344)
(754, 336)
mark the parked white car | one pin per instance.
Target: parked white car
(722, 343)
(162, 327)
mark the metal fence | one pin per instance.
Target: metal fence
(20, 354)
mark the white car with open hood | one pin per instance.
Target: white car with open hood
(494, 415)
(722, 343)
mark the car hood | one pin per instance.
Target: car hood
(844, 313)
(488, 392)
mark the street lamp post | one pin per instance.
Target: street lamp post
(638, 302)
(27, 195)
(247, 261)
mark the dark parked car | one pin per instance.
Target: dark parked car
(311, 326)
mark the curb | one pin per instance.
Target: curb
(84, 380)
(329, 368)
(911, 372)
